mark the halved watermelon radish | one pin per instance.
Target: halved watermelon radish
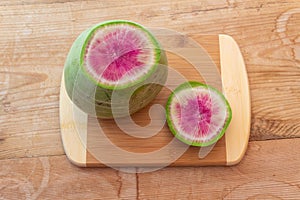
(197, 114)
(114, 56)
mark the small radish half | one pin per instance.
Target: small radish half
(198, 114)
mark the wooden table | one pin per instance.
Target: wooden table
(35, 37)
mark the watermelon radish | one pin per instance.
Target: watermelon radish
(197, 114)
(114, 57)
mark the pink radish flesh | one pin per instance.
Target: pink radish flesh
(119, 54)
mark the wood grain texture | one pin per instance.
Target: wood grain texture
(98, 149)
(73, 130)
(236, 90)
(36, 35)
(56, 178)
(265, 173)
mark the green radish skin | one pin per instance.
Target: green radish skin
(178, 134)
(95, 98)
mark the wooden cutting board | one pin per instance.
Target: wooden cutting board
(86, 146)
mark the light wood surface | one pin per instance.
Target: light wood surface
(236, 90)
(260, 175)
(74, 144)
(35, 37)
(91, 142)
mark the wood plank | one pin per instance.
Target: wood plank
(35, 37)
(270, 170)
(55, 177)
(135, 147)
(236, 90)
(74, 144)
